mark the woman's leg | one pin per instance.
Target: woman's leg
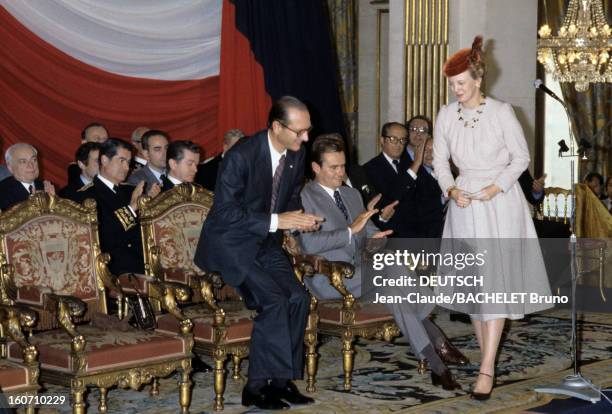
(491, 335)
(478, 329)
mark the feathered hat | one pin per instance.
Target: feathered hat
(461, 60)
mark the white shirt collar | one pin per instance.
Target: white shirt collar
(27, 186)
(174, 180)
(390, 161)
(140, 160)
(155, 173)
(274, 154)
(328, 190)
(107, 182)
(84, 180)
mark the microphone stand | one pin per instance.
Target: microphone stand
(574, 385)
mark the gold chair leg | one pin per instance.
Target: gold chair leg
(77, 388)
(312, 359)
(155, 388)
(236, 359)
(220, 357)
(30, 409)
(184, 387)
(348, 358)
(102, 407)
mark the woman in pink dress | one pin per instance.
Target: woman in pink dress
(485, 141)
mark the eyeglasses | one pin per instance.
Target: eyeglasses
(395, 140)
(419, 130)
(300, 133)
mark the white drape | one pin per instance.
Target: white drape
(157, 39)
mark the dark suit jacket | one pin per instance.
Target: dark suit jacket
(4, 172)
(429, 207)
(238, 223)
(207, 173)
(526, 182)
(361, 182)
(395, 186)
(13, 192)
(166, 184)
(73, 172)
(118, 228)
(71, 190)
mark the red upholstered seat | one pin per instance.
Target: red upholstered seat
(105, 350)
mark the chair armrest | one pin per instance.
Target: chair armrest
(335, 271)
(15, 317)
(169, 295)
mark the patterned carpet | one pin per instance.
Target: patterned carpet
(534, 353)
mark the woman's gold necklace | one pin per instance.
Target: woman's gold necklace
(474, 121)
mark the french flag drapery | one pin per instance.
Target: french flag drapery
(194, 68)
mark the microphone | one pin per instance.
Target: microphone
(540, 85)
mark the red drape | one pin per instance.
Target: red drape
(244, 102)
(47, 97)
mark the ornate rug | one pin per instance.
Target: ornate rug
(534, 352)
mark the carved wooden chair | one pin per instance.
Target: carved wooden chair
(18, 379)
(346, 318)
(171, 224)
(54, 265)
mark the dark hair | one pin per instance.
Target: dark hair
(423, 118)
(176, 150)
(150, 134)
(589, 177)
(92, 125)
(280, 109)
(82, 153)
(384, 131)
(110, 147)
(324, 144)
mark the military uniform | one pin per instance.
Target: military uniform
(71, 190)
(119, 228)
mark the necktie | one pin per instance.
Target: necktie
(340, 204)
(31, 189)
(162, 178)
(396, 165)
(276, 182)
(116, 188)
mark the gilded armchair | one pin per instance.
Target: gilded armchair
(18, 379)
(171, 225)
(346, 318)
(54, 265)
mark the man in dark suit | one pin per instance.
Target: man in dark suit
(208, 170)
(344, 237)
(155, 147)
(182, 160)
(22, 162)
(94, 132)
(419, 129)
(257, 194)
(117, 206)
(395, 177)
(87, 158)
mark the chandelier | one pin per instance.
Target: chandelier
(580, 52)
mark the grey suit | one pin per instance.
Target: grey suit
(145, 174)
(4, 172)
(332, 242)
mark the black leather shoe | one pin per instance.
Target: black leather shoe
(451, 355)
(264, 399)
(291, 394)
(460, 317)
(445, 380)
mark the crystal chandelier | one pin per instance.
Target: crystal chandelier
(580, 52)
